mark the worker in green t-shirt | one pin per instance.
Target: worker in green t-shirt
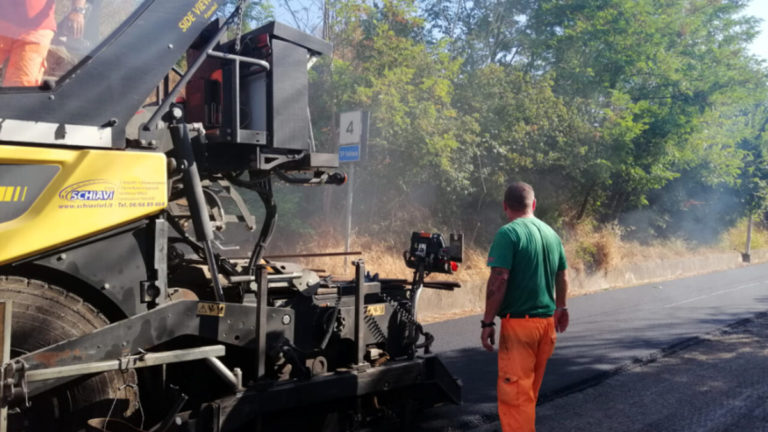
(527, 289)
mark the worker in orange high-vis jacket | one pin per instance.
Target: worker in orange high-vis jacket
(26, 30)
(527, 289)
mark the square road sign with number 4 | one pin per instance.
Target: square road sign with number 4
(351, 128)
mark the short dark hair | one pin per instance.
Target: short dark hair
(519, 196)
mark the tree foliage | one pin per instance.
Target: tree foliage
(681, 67)
(612, 109)
(380, 65)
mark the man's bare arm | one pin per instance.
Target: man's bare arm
(562, 318)
(494, 292)
(494, 295)
(561, 289)
(76, 18)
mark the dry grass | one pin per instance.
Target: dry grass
(736, 237)
(589, 250)
(385, 259)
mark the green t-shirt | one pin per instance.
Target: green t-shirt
(533, 253)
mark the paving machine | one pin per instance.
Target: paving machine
(141, 298)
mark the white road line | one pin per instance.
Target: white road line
(714, 294)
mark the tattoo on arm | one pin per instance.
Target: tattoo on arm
(495, 290)
(497, 283)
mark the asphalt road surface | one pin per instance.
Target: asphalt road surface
(614, 336)
(717, 383)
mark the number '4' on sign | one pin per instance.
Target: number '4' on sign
(351, 127)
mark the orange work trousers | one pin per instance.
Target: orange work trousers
(525, 345)
(25, 57)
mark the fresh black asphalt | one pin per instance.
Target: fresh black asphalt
(610, 331)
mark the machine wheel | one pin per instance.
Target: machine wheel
(43, 315)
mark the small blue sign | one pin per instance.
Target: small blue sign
(349, 153)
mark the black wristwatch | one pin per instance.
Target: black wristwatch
(484, 324)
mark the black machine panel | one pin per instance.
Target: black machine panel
(272, 109)
(121, 278)
(288, 104)
(288, 92)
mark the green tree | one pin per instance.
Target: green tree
(607, 106)
(671, 63)
(380, 64)
(480, 32)
(254, 13)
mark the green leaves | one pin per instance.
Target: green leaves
(670, 79)
(380, 65)
(605, 106)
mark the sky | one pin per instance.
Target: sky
(759, 8)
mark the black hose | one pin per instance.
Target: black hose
(263, 187)
(329, 332)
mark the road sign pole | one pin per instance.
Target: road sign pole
(350, 196)
(745, 257)
(353, 139)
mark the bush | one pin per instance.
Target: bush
(591, 250)
(736, 237)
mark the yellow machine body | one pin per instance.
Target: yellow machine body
(52, 197)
